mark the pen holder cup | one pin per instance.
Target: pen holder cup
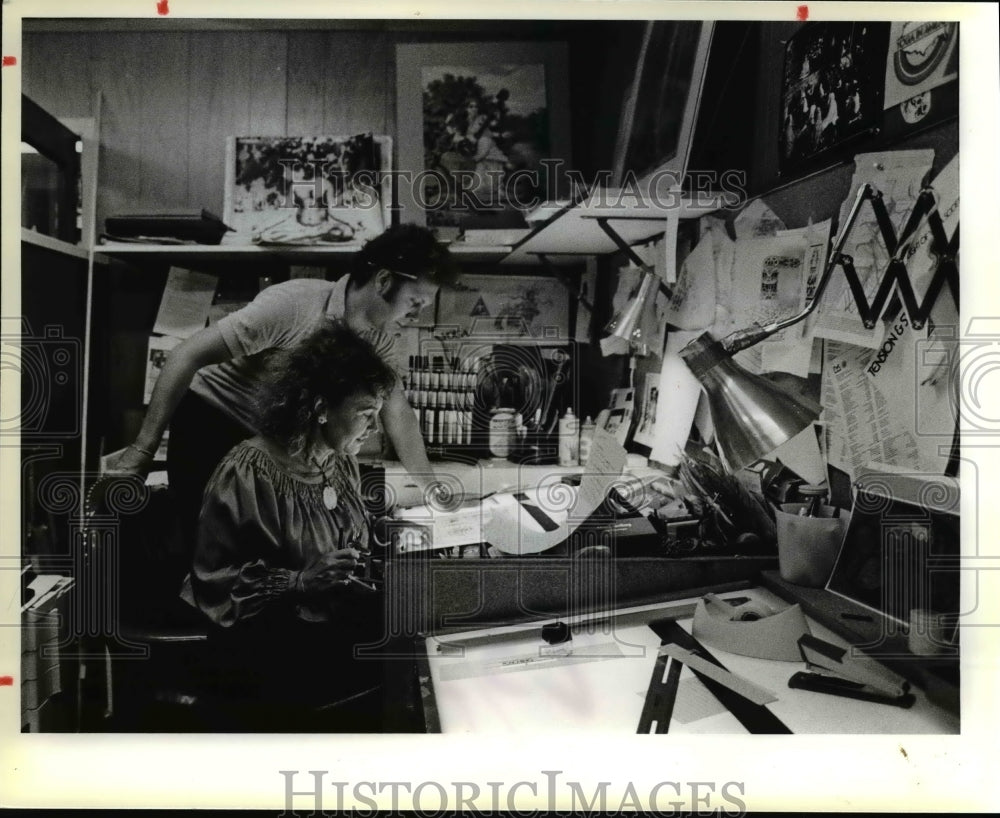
(808, 546)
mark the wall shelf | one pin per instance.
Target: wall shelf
(575, 231)
(37, 239)
(178, 253)
(306, 255)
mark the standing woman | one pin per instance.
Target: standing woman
(281, 528)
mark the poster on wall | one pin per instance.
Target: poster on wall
(517, 306)
(922, 56)
(920, 76)
(832, 89)
(312, 190)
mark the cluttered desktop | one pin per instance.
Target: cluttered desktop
(555, 629)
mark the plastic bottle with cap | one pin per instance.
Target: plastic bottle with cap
(586, 439)
(569, 439)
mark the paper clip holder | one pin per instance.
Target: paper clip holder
(840, 675)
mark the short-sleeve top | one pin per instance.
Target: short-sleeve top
(279, 318)
(260, 524)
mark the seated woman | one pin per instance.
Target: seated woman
(281, 529)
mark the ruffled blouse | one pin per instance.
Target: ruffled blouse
(260, 525)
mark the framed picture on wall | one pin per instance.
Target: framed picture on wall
(315, 190)
(475, 124)
(831, 92)
(516, 306)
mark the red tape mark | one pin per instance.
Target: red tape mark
(9, 61)
(6, 681)
(802, 13)
(163, 7)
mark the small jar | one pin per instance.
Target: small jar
(502, 432)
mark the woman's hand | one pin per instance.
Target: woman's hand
(329, 571)
(130, 460)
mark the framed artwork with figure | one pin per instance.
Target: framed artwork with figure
(478, 127)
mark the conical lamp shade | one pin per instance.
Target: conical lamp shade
(636, 321)
(752, 416)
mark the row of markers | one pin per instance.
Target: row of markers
(443, 397)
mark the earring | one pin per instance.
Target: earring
(321, 420)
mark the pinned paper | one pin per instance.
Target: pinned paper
(752, 629)
(692, 305)
(187, 299)
(757, 220)
(676, 403)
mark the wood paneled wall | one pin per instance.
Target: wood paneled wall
(170, 99)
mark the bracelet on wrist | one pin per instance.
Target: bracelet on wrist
(139, 449)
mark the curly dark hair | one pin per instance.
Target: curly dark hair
(405, 248)
(333, 363)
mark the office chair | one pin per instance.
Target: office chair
(134, 561)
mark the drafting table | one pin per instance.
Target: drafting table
(501, 680)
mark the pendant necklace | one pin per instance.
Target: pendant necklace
(329, 492)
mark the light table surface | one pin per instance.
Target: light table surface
(500, 680)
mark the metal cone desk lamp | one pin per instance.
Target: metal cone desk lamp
(635, 323)
(752, 416)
